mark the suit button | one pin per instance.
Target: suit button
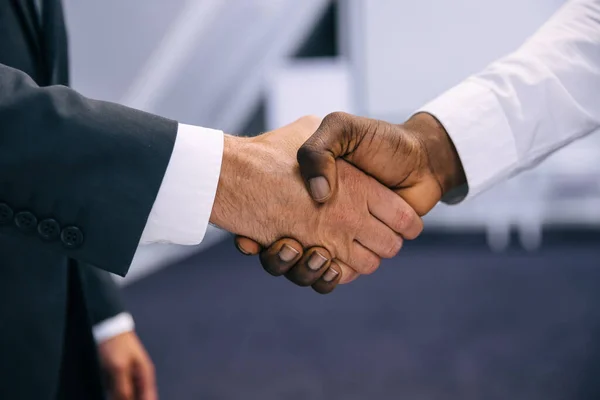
(25, 221)
(6, 214)
(48, 229)
(72, 237)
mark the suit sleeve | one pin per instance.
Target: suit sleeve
(77, 175)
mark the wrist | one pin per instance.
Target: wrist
(239, 203)
(443, 158)
(232, 171)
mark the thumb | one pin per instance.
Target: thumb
(317, 155)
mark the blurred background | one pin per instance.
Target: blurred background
(500, 297)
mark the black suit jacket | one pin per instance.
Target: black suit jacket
(78, 179)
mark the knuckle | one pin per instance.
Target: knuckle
(309, 153)
(335, 117)
(394, 247)
(119, 366)
(311, 121)
(420, 230)
(371, 265)
(404, 219)
(348, 275)
(417, 230)
(305, 152)
(272, 267)
(303, 280)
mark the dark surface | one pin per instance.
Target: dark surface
(441, 321)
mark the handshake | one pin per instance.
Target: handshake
(324, 201)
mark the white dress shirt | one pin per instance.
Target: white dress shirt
(529, 104)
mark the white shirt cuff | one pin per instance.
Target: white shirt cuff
(476, 123)
(112, 327)
(183, 206)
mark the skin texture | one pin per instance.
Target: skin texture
(128, 369)
(416, 160)
(261, 196)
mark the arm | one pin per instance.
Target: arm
(125, 362)
(98, 168)
(85, 177)
(529, 104)
(491, 126)
(73, 162)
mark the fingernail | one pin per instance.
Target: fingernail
(244, 252)
(287, 253)
(319, 187)
(330, 275)
(316, 261)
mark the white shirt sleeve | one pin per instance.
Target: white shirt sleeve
(182, 209)
(524, 107)
(113, 326)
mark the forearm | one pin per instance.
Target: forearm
(234, 178)
(529, 104)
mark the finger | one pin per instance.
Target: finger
(380, 239)
(247, 246)
(394, 211)
(317, 155)
(362, 260)
(278, 258)
(311, 267)
(121, 384)
(145, 380)
(331, 278)
(348, 273)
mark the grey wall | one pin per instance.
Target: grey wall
(414, 50)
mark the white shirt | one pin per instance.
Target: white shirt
(529, 104)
